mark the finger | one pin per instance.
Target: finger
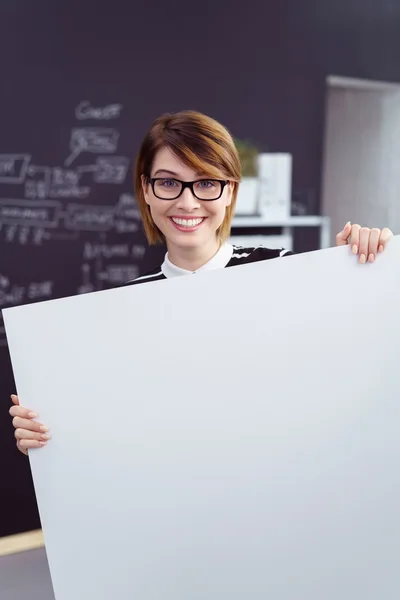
(23, 450)
(21, 411)
(342, 236)
(373, 244)
(365, 233)
(355, 238)
(15, 399)
(26, 444)
(385, 236)
(26, 434)
(28, 424)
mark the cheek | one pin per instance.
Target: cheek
(219, 207)
(157, 212)
(217, 213)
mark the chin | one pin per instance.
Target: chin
(188, 241)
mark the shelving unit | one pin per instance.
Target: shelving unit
(288, 225)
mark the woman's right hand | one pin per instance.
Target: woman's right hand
(28, 433)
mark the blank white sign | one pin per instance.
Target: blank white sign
(232, 435)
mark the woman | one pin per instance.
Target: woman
(186, 182)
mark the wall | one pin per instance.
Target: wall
(260, 68)
(361, 176)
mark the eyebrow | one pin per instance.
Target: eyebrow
(175, 174)
(165, 171)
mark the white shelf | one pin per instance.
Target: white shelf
(288, 224)
(306, 221)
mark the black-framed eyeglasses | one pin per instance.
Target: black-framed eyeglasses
(167, 188)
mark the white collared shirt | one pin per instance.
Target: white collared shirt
(227, 256)
(218, 261)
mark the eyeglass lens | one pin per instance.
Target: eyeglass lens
(205, 189)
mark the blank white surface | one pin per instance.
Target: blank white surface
(230, 435)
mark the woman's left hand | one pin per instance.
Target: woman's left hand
(364, 241)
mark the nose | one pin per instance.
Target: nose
(187, 201)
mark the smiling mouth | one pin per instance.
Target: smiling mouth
(187, 224)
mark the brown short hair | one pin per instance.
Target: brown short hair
(199, 142)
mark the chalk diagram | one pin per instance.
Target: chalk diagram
(54, 206)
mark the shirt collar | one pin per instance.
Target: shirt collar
(218, 261)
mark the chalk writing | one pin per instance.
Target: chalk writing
(52, 206)
(85, 111)
(32, 213)
(111, 169)
(41, 215)
(38, 235)
(122, 226)
(13, 167)
(73, 191)
(127, 215)
(65, 177)
(24, 235)
(138, 251)
(37, 182)
(10, 233)
(86, 286)
(93, 250)
(118, 274)
(127, 208)
(40, 290)
(92, 139)
(35, 189)
(89, 218)
(14, 294)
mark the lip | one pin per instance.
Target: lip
(187, 229)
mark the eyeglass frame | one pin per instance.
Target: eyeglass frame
(189, 184)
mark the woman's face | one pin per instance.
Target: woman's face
(186, 222)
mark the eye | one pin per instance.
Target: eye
(206, 184)
(169, 183)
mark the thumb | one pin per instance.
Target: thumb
(342, 236)
(14, 398)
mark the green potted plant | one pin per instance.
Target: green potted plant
(247, 199)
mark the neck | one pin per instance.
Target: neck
(192, 259)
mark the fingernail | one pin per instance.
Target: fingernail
(380, 248)
(13, 396)
(45, 436)
(43, 428)
(347, 224)
(32, 415)
(43, 443)
(371, 258)
(354, 249)
(362, 258)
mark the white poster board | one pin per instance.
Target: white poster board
(228, 436)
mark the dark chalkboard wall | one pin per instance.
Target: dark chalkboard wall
(68, 220)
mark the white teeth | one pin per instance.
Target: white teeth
(187, 222)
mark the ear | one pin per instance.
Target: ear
(145, 188)
(229, 192)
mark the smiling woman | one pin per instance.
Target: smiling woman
(189, 147)
(186, 181)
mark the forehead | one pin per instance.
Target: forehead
(166, 159)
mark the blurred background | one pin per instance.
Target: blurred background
(310, 91)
